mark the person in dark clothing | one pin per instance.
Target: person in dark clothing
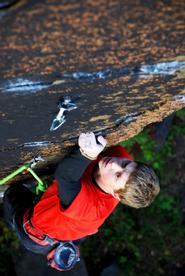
(88, 185)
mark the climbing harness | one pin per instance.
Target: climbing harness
(41, 186)
(63, 255)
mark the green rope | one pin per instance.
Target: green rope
(41, 186)
(13, 174)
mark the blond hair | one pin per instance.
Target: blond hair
(141, 187)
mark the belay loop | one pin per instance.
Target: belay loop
(64, 256)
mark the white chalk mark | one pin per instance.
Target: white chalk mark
(164, 68)
(36, 144)
(24, 86)
(180, 98)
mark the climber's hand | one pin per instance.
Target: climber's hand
(89, 146)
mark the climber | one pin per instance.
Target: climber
(89, 183)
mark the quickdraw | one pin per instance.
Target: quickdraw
(41, 186)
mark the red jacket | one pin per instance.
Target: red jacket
(86, 213)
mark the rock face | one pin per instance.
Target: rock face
(121, 62)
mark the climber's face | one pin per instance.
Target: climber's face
(113, 173)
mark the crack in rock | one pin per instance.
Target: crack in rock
(128, 118)
(24, 86)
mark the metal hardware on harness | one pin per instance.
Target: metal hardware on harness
(64, 256)
(64, 105)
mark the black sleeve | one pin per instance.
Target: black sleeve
(68, 174)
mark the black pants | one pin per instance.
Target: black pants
(17, 200)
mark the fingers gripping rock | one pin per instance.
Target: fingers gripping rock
(89, 146)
